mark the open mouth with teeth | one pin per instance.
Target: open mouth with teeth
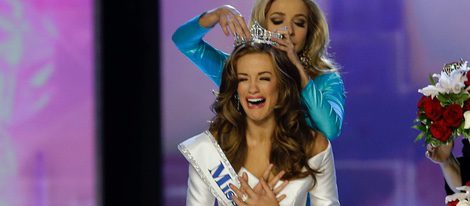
(256, 102)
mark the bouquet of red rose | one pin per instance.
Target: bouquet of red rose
(444, 108)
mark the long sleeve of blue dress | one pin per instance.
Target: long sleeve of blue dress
(323, 97)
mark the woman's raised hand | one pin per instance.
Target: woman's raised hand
(285, 44)
(229, 19)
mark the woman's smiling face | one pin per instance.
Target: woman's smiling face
(257, 86)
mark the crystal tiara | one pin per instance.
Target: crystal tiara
(259, 35)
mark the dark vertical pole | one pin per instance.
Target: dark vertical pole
(127, 41)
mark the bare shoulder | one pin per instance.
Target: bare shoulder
(320, 143)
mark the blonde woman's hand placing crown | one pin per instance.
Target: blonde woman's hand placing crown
(285, 44)
(230, 20)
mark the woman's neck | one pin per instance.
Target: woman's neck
(260, 132)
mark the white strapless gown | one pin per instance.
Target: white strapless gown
(324, 193)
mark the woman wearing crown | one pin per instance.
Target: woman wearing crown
(259, 123)
(305, 33)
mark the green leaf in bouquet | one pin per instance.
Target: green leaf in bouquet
(466, 132)
(435, 142)
(423, 121)
(420, 127)
(431, 80)
(422, 118)
(462, 124)
(461, 98)
(444, 99)
(419, 137)
(428, 138)
(460, 130)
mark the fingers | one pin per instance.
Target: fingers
(429, 147)
(244, 29)
(232, 22)
(237, 191)
(428, 153)
(277, 190)
(440, 153)
(285, 35)
(276, 179)
(281, 45)
(431, 152)
(239, 201)
(245, 187)
(279, 41)
(448, 146)
(431, 155)
(284, 44)
(223, 25)
(267, 189)
(238, 22)
(236, 26)
(280, 198)
(267, 172)
(282, 30)
(245, 176)
(271, 193)
(258, 188)
(226, 22)
(238, 194)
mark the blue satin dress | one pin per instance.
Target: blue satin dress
(323, 96)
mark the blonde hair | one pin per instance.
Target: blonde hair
(317, 41)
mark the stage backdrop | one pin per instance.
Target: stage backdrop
(46, 103)
(386, 50)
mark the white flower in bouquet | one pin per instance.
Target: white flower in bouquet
(466, 116)
(431, 90)
(464, 66)
(463, 203)
(462, 197)
(451, 83)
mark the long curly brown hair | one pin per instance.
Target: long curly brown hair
(292, 140)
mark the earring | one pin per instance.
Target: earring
(238, 101)
(306, 61)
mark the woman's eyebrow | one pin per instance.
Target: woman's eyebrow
(278, 13)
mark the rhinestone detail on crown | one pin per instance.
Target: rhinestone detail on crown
(259, 35)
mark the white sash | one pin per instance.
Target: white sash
(210, 162)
